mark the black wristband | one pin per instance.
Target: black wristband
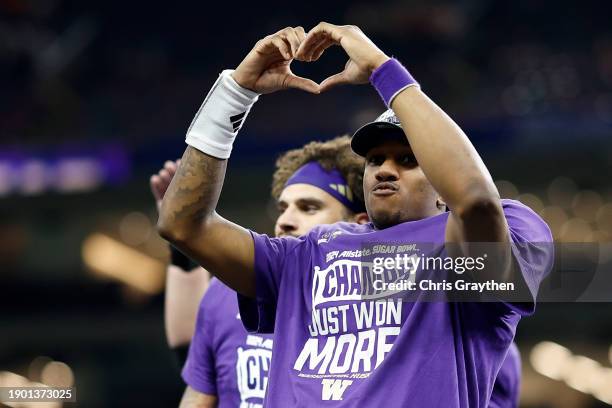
(180, 355)
(177, 258)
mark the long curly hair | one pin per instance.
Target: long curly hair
(335, 153)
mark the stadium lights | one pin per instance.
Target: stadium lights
(578, 372)
(52, 374)
(113, 259)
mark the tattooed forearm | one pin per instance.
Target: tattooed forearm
(194, 191)
(189, 221)
(197, 185)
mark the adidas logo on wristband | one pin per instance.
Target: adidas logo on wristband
(237, 120)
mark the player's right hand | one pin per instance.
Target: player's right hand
(266, 68)
(159, 182)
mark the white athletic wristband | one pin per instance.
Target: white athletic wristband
(220, 117)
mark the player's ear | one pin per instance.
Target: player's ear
(361, 218)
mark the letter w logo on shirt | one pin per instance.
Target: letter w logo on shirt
(334, 389)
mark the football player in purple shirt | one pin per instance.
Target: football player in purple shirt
(226, 366)
(337, 343)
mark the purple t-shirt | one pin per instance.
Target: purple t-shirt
(224, 359)
(507, 388)
(334, 349)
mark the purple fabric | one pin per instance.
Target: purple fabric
(225, 360)
(507, 388)
(391, 78)
(337, 350)
(331, 182)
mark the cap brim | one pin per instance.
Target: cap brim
(373, 134)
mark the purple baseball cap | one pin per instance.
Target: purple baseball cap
(386, 127)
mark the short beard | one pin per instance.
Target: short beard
(386, 220)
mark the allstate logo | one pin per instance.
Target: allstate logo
(328, 236)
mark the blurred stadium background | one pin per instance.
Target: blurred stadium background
(94, 96)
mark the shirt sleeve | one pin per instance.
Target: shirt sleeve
(199, 371)
(532, 247)
(258, 314)
(507, 387)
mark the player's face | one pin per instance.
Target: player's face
(303, 207)
(395, 188)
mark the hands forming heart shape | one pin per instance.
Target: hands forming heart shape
(266, 68)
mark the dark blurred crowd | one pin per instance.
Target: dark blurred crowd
(127, 71)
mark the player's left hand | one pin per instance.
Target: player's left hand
(364, 55)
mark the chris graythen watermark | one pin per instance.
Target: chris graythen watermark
(430, 285)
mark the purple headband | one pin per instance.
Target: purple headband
(331, 182)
